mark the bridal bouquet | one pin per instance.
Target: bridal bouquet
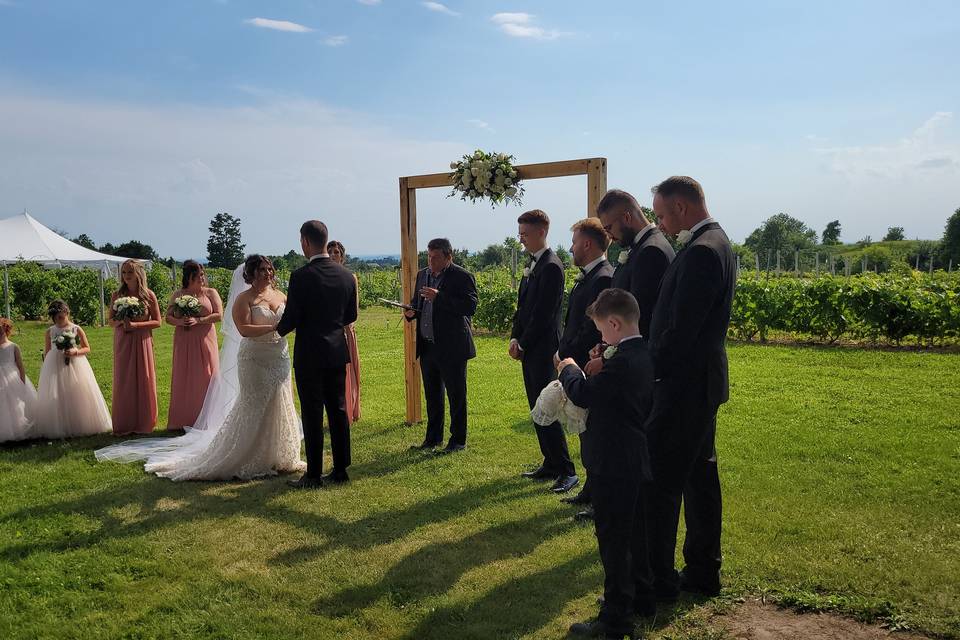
(64, 342)
(186, 306)
(486, 175)
(128, 308)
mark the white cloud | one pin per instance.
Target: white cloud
(278, 25)
(440, 8)
(519, 25)
(920, 154)
(335, 41)
(480, 124)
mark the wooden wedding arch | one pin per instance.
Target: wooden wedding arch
(594, 168)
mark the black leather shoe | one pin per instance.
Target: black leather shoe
(424, 445)
(452, 447)
(596, 629)
(584, 516)
(539, 474)
(580, 499)
(336, 477)
(564, 484)
(306, 483)
(709, 587)
(646, 609)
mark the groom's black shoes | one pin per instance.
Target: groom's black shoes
(336, 477)
(564, 484)
(582, 498)
(306, 483)
(539, 473)
(423, 446)
(452, 447)
(597, 629)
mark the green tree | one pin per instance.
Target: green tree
(224, 248)
(831, 234)
(780, 233)
(564, 255)
(131, 249)
(894, 233)
(85, 241)
(950, 244)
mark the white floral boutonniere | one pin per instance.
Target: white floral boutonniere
(609, 352)
(684, 236)
(624, 256)
(579, 277)
(526, 272)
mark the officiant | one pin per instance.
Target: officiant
(444, 301)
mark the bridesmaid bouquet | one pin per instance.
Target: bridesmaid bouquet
(186, 306)
(64, 342)
(128, 308)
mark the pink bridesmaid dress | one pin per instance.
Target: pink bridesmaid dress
(195, 361)
(353, 375)
(134, 382)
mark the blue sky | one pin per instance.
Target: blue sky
(143, 120)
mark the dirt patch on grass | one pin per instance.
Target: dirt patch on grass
(754, 620)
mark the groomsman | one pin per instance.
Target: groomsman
(534, 341)
(645, 253)
(687, 342)
(580, 334)
(615, 454)
(444, 300)
(321, 300)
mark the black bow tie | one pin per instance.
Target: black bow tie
(533, 260)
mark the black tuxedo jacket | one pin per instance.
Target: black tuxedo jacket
(619, 399)
(453, 307)
(641, 275)
(579, 333)
(689, 328)
(536, 323)
(321, 300)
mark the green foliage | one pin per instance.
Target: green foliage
(224, 248)
(160, 281)
(831, 233)
(783, 235)
(894, 233)
(950, 244)
(85, 241)
(32, 288)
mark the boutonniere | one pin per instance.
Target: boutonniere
(526, 272)
(609, 352)
(579, 277)
(684, 236)
(624, 256)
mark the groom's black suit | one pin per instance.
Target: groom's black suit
(321, 300)
(536, 328)
(687, 342)
(649, 258)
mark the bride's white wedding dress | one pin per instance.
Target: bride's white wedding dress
(259, 436)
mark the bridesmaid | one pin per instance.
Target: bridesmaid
(195, 356)
(134, 376)
(339, 255)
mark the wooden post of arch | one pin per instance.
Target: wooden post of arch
(594, 168)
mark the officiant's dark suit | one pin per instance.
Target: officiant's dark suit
(687, 342)
(536, 328)
(444, 345)
(641, 274)
(321, 300)
(615, 455)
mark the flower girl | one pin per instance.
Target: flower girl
(70, 402)
(17, 395)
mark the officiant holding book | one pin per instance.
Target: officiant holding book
(444, 300)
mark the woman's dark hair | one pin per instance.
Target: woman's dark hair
(338, 245)
(191, 268)
(56, 308)
(251, 264)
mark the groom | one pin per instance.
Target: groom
(321, 300)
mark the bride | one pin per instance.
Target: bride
(248, 426)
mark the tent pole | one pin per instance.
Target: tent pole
(102, 319)
(6, 287)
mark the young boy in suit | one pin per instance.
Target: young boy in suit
(615, 454)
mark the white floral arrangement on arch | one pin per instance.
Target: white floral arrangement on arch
(486, 175)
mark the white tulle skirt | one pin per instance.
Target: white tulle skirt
(69, 402)
(18, 401)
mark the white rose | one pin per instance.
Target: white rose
(511, 191)
(624, 256)
(609, 352)
(474, 171)
(513, 174)
(507, 181)
(526, 272)
(454, 165)
(684, 236)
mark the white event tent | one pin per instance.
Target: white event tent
(24, 238)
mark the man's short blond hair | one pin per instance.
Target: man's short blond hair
(593, 229)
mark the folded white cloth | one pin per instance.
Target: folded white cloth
(553, 405)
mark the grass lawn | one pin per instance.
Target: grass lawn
(841, 490)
